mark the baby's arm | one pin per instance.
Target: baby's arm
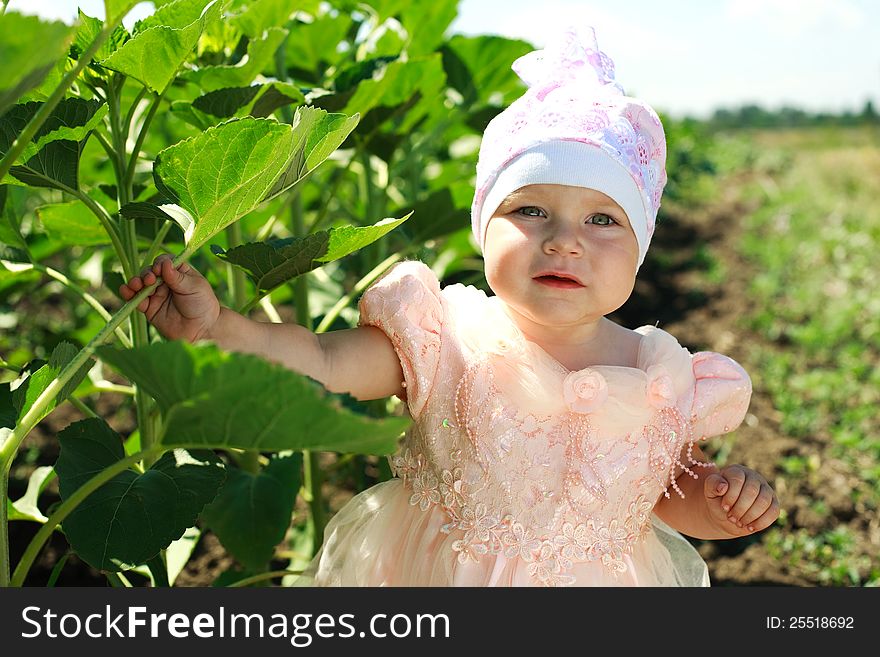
(702, 514)
(361, 361)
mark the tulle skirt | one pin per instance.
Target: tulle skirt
(379, 539)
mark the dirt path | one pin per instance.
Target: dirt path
(706, 315)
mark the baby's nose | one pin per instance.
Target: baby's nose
(563, 240)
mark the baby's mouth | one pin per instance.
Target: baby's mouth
(557, 281)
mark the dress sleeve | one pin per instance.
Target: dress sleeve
(405, 305)
(721, 396)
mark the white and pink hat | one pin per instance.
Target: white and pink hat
(573, 126)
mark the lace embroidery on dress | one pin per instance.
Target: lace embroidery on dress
(534, 488)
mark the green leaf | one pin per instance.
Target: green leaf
(348, 239)
(260, 55)
(427, 23)
(397, 83)
(464, 59)
(8, 410)
(53, 154)
(10, 226)
(224, 103)
(26, 506)
(115, 10)
(259, 15)
(24, 65)
(436, 216)
(252, 512)
(209, 398)
(128, 520)
(72, 223)
(223, 173)
(275, 95)
(313, 49)
(274, 263)
(32, 387)
(144, 210)
(162, 42)
(316, 134)
(185, 111)
(87, 31)
(256, 100)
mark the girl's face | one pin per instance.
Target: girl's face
(581, 233)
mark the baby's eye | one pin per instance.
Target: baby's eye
(604, 220)
(531, 211)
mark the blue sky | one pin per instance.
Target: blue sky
(686, 56)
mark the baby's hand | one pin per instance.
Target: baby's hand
(183, 306)
(740, 500)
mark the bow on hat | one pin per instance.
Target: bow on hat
(573, 58)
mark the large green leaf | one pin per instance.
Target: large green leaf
(271, 264)
(313, 49)
(316, 134)
(162, 42)
(260, 54)
(465, 58)
(23, 64)
(214, 399)
(128, 520)
(256, 16)
(72, 223)
(426, 23)
(396, 83)
(53, 154)
(33, 386)
(251, 514)
(223, 173)
(87, 31)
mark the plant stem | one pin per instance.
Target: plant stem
(155, 244)
(249, 460)
(11, 441)
(88, 298)
(56, 571)
(247, 581)
(57, 94)
(312, 470)
(359, 287)
(67, 507)
(105, 219)
(142, 135)
(137, 322)
(81, 407)
(4, 520)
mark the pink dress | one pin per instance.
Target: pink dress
(517, 471)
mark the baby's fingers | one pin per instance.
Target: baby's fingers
(747, 496)
(765, 519)
(765, 501)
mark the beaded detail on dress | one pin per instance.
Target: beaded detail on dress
(537, 488)
(528, 467)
